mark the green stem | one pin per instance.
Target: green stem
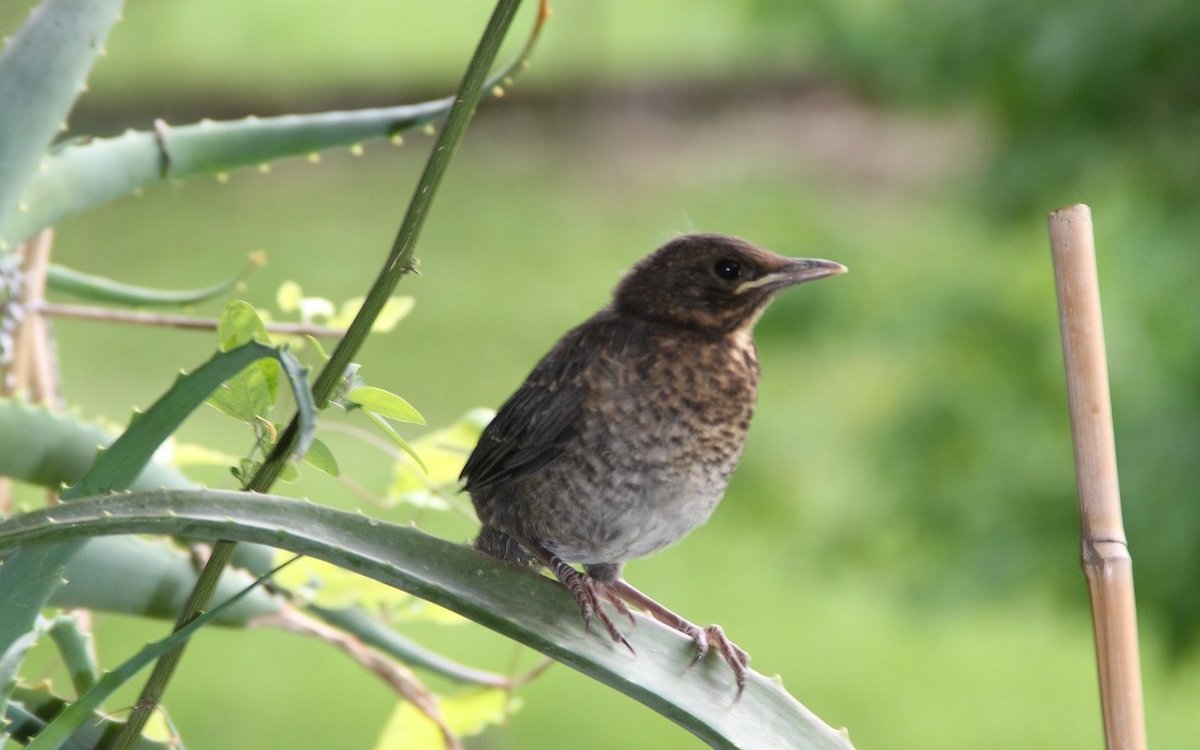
(399, 262)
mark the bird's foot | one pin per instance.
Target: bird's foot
(737, 659)
(704, 638)
(589, 593)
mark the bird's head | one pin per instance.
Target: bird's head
(712, 282)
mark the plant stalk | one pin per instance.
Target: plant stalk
(1106, 560)
(169, 320)
(398, 263)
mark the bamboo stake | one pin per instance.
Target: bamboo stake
(1106, 559)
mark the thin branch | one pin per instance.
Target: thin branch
(35, 365)
(166, 320)
(1106, 559)
(399, 677)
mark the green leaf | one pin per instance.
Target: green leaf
(385, 404)
(466, 714)
(321, 458)
(240, 324)
(77, 651)
(393, 311)
(42, 69)
(289, 473)
(288, 296)
(100, 289)
(400, 442)
(120, 464)
(330, 587)
(58, 731)
(515, 602)
(443, 452)
(251, 394)
(32, 709)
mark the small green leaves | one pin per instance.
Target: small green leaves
(443, 452)
(118, 466)
(290, 298)
(390, 431)
(249, 395)
(240, 324)
(376, 404)
(385, 404)
(330, 587)
(321, 458)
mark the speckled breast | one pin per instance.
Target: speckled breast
(665, 423)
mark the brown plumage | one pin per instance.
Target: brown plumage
(623, 438)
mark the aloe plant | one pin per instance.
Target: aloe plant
(515, 602)
(67, 555)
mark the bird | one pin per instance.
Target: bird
(624, 436)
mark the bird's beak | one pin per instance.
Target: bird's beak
(794, 271)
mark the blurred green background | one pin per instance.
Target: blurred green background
(901, 541)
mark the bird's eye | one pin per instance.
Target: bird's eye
(728, 269)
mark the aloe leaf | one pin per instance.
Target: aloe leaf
(51, 449)
(512, 601)
(58, 732)
(32, 709)
(101, 289)
(82, 175)
(149, 578)
(133, 576)
(42, 70)
(28, 577)
(77, 650)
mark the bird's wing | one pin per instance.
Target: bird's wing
(532, 427)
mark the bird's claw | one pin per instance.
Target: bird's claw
(588, 593)
(737, 659)
(705, 638)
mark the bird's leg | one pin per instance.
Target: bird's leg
(587, 591)
(603, 576)
(737, 659)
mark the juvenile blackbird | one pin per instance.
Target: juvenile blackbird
(622, 439)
